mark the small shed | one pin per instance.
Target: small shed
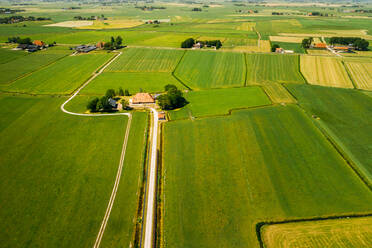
(161, 116)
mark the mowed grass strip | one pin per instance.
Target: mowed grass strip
(202, 70)
(346, 233)
(146, 60)
(264, 164)
(57, 172)
(347, 116)
(62, 77)
(133, 81)
(273, 68)
(220, 101)
(325, 71)
(361, 73)
(277, 93)
(16, 68)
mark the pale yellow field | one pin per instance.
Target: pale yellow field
(318, 52)
(72, 24)
(361, 73)
(277, 93)
(246, 26)
(345, 233)
(264, 46)
(108, 24)
(325, 71)
(290, 39)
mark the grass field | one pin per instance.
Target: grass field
(346, 115)
(280, 171)
(7, 55)
(146, 60)
(296, 47)
(220, 101)
(57, 173)
(21, 66)
(361, 73)
(277, 93)
(201, 69)
(325, 71)
(273, 68)
(346, 233)
(62, 77)
(133, 81)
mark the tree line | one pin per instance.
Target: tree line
(190, 42)
(15, 19)
(358, 43)
(102, 104)
(114, 43)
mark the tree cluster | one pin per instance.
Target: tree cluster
(149, 8)
(19, 40)
(276, 13)
(196, 9)
(114, 43)
(188, 43)
(172, 99)
(91, 18)
(210, 43)
(306, 43)
(101, 104)
(358, 43)
(10, 11)
(15, 19)
(274, 47)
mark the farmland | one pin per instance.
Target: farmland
(68, 73)
(6, 55)
(348, 233)
(273, 68)
(282, 174)
(146, 60)
(361, 73)
(278, 93)
(220, 101)
(346, 115)
(202, 70)
(63, 182)
(133, 81)
(325, 71)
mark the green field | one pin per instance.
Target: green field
(21, 66)
(346, 115)
(57, 173)
(7, 55)
(146, 60)
(296, 47)
(201, 69)
(346, 233)
(220, 102)
(67, 75)
(258, 165)
(133, 81)
(273, 68)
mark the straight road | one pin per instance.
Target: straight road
(151, 192)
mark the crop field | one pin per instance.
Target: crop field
(201, 69)
(346, 116)
(220, 101)
(325, 71)
(278, 93)
(281, 171)
(273, 68)
(361, 73)
(63, 182)
(132, 81)
(21, 66)
(346, 233)
(68, 74)
(318, 52)
(146, 60)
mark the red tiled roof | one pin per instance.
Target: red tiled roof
(38, 43)
(320, 45)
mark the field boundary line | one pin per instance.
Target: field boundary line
(31, 72)
(175, 68)
(349, 74)
(299, 69)
(246, 69)
(259, 225)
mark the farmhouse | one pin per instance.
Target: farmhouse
(112, 102)
(85, 48)
(320, 46)
(39, 43)
(142, 98)
(342, 48)
(100, 44)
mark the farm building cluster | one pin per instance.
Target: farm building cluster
(35, 46)
(89, 48)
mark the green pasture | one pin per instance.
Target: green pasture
(346, 116)
(266, 164)
(202, 69)
(220, 101)
(62, 77)
(296, 47)
(24, 65)
(132, 81)
(57, 172)
(273, 68)
(7, 55)
(146, 60)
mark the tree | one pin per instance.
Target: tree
(112, 40)
(121, 92)
(124, 104)
(105, 103)
(169, 87)
(307, 42)
(110, 93)
(274, 47)
(126, 92)
(119, 41)
(361, 44)
(92, 105)
(188, 43)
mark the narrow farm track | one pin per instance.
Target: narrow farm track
(149, 221)
(123, 150)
